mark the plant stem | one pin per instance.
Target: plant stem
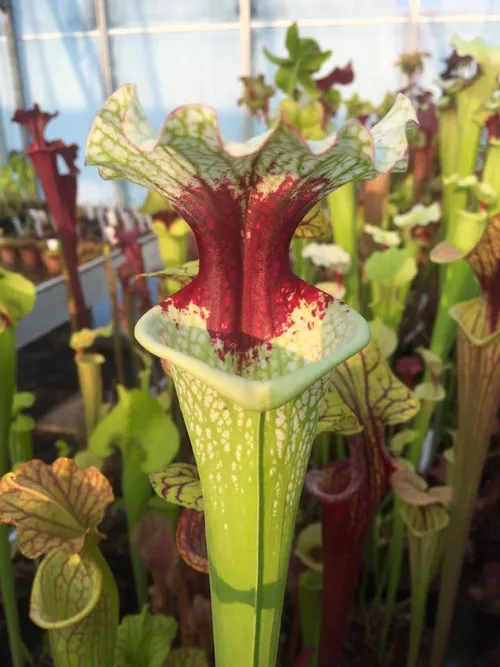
(21, 440)
(342, 206)
(69, 296)
(395, 559)
(418, 609)
(448, 147)
(136, 495)
(7, 581)
(340, 448)
(322, 444)
(478, 397)
(117, 338)
(456, 544)
(310, 587)
(301, 266)
(90, 379)
(67, 236)
(421, 424)
(129, 307)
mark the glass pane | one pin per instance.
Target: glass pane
(326, 9)
(435, 38)
(146, 13)
(182, 68)
(39, 16)
(460, 6)
(7, 107)
(73, 88)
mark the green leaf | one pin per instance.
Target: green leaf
(372, 392)
(336, 416)
(392, 266)
(313, 62)
(414, 490)
(286, 78)
(308, 47)
(144, 640)
(309, 546)
(311, 117)
(179, 483)
(427, 391)
(183, 274)
(281, 62)
(385, 337)
(49, 505)
(433, 363)
(85, 338)
(292, 110)
(293, 41)
(315, 225)
(65, 587)
(111, 431)
(74, 597)
(423, 522)
(62, 448)
(333, 98)
(154, 203)
(187, 657)
(399, 441)
(17, 296)
(22, 401)
(23, 423)
(87, 459)
(137, 419)
(308, 84)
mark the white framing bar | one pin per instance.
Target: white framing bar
(459, 18)
(245, 27)
(107, 72)
(415, 16)
(413, 33)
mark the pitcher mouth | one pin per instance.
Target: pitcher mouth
(263, 393)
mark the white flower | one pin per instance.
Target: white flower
(383, 236)
(419, 215)
(52, 244)
(328, 255)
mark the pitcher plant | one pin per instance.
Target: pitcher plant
(249, 345)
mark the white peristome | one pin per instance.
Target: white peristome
(383, 236)
(329, 256)
(279, 370)
(467, 181)
(124, 144)
(419, 215)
